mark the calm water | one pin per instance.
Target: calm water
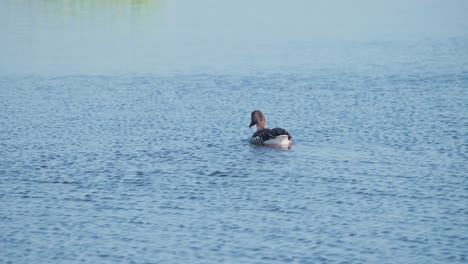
(123, 153)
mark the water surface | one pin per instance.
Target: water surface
(124, 138)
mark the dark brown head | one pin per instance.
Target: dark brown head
(257, 118)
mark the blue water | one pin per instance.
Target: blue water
(104, 159)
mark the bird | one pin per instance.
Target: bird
(276, 137)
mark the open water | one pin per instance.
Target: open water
(104, 159)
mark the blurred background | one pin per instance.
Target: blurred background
(155, 36)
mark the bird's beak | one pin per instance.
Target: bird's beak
(251, 124)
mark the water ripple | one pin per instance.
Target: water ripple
(150, 169)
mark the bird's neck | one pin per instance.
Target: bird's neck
(261, 126)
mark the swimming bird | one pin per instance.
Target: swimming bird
(276, 137)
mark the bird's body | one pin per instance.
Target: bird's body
(277, 137)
